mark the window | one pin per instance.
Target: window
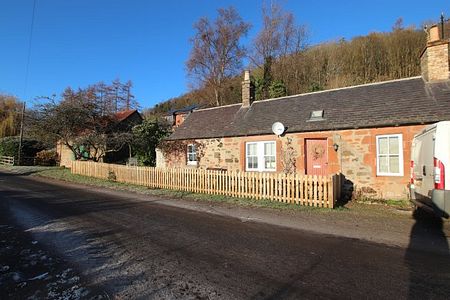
(316, 115)
(390, 155)
(252, 156)
(192, 155)
(260, 156)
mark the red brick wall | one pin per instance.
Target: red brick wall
(179, 119)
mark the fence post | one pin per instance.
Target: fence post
(331, 191)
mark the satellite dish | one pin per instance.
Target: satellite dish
(278, 128)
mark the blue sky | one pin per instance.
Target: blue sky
(76, 43)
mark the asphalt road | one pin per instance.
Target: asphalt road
(129, 247)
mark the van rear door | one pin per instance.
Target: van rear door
(442, 152)
(423, 169)
(441, 192)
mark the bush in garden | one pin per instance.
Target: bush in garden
(46, 158)
(112, 176)
(9, 146)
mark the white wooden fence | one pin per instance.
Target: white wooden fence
(7, 160)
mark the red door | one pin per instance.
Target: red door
(316, 156)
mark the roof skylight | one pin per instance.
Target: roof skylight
(316, 115)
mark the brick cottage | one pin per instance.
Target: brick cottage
(364, 131)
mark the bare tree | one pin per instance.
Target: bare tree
(216, 50)
(114, 97)
(279, 37)
(79, 122)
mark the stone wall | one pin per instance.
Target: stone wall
(160, 160)
(435, 61)
(223, 153)
(65, 155)
(355, 157)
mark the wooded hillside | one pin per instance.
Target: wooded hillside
(365, 59)
(283, 64)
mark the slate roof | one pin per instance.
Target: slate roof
(391, 103)
(183, 110)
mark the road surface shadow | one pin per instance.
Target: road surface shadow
(61, 206)
(22, 171)
(428, 258)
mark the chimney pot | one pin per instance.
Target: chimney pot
(433, 36)
(434, 60)
(246, 75)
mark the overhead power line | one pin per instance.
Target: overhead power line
(27, 71)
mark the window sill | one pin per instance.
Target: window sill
(389, 175)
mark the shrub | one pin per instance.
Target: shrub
(146, 137)
(9, 146)
(277, 89)
(112, 176)
(46, 158)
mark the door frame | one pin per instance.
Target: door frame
(306, 152)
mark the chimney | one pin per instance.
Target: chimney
(434, 60)
(248, 91)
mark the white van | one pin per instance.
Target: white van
(430, 168)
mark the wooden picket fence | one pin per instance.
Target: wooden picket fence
(7, 160)
(317, 191)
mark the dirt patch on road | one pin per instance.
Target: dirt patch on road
(30, 271)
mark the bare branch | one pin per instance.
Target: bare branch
(216, 53)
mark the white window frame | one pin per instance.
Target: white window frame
(246, 156)
(191, 162)
(400, 155)
(260, 156)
